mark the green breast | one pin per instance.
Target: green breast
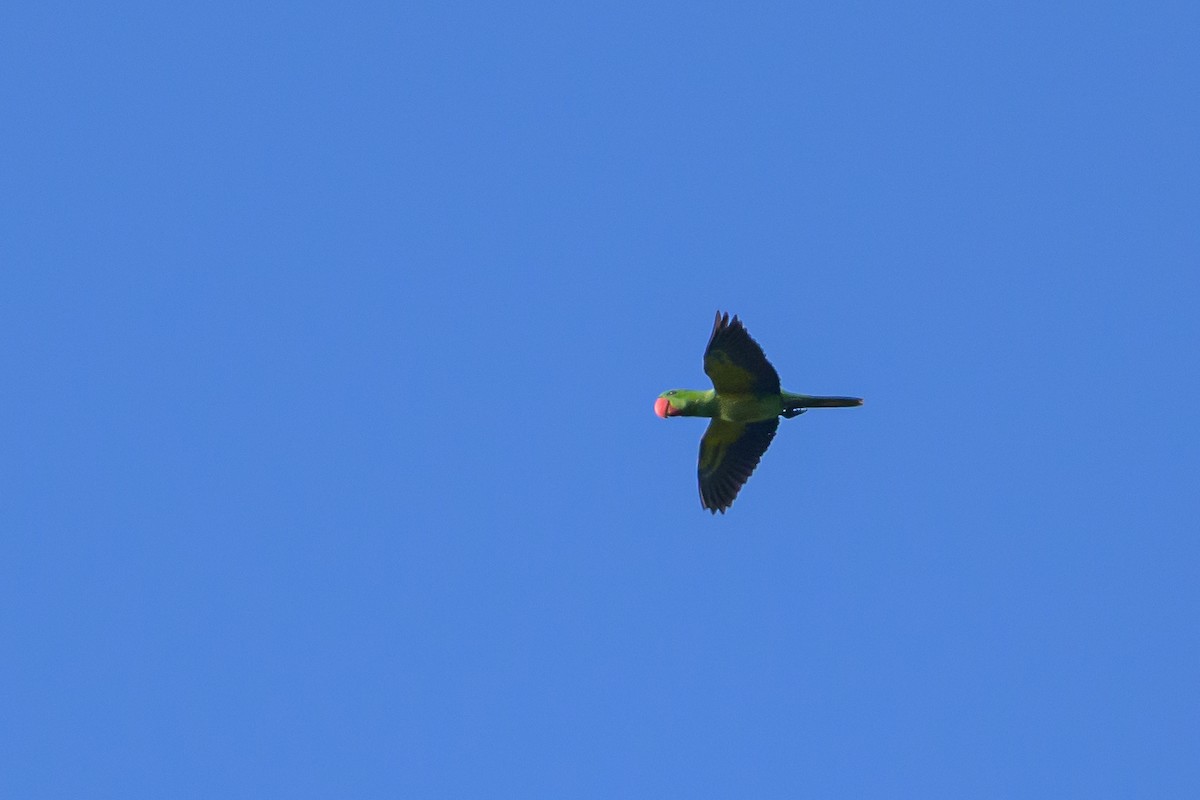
(748, 407)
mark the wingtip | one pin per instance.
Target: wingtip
(725, 322)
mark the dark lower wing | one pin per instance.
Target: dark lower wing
(729, 452)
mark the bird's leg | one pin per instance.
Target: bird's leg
(795, 412)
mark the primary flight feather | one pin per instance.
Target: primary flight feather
(745, 405)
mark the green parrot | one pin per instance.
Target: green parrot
(745, 405)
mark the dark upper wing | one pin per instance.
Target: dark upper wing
(735, 362)
(729, 452)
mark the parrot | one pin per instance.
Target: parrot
(745, 405)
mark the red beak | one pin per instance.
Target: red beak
(662, 407)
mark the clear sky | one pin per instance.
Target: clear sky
(331, 336)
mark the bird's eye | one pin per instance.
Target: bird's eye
(671, 392)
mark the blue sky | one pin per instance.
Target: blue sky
(332, 334)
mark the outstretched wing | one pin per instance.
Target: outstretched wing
(735, 362)
(729, 452)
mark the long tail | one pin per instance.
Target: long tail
(794, 404)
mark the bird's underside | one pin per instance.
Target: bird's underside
(745, 405)
(729, 451)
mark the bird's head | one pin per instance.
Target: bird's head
(672, 403)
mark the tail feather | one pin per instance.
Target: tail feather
(797, 403)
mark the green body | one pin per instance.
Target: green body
(748, 407)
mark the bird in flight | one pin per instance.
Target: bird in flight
(745, 405)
